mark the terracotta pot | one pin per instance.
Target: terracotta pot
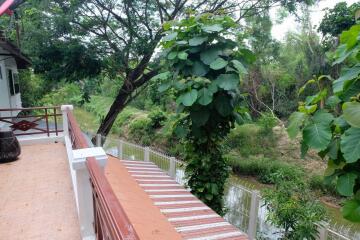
(9, 146)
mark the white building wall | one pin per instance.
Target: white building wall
(6, 99)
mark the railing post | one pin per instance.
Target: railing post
(98, 140)
(65, 109)
(172, 167)
(120, 149)
(147, 154)
(322, 230)
(254, 208)
(83, 188)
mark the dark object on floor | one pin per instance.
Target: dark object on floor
(9, 146)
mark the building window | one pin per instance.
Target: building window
(16, 83)
(11, 82)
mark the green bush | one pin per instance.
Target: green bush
(157, 118)
(264, 169)
(293, 208)
(68, 93)
(267, 121)
(248, 140)
(140, 130)
(317, 182)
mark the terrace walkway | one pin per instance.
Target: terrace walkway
(161, 209)
(36, 196)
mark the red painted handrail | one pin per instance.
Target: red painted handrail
(111, 221)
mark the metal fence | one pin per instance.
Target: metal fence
(246, 210)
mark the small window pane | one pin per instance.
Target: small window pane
(16, 82)
(11, 82)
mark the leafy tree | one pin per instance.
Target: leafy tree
(206, 66)
(338, 19)
(330, 122)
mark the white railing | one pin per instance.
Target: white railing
(250, 215)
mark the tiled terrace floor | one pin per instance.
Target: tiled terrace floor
(161, 209)
(36, 196)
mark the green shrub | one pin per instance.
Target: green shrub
(267, 121)
(69, 93)
(157, 118)
(140, 130)
(317, 182)
(293, 208)
(248, 140)
(266, 170)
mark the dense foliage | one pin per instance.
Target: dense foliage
(330, 122)
(338, 19)
(206, 66)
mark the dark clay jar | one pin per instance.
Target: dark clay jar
(9, 146)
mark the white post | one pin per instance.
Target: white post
(120, 149)
(254, 208)
(84, 193)
(172, 168)
(147, 154)
(98, 140)
(65, 109)
(322, 230)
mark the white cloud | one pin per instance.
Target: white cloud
(317, 13)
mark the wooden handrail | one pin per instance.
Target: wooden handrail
(27, 123)
(27, 109)
(111, 221)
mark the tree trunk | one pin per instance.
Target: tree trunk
(117, 106)
(120, 102)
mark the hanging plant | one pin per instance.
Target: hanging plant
(206, 65)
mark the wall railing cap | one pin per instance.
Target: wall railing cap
(67, 107)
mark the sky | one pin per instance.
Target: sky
(317, 13)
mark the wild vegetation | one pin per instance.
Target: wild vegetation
(207, 82)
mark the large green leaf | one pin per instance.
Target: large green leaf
(239, 66)
(332, 167)
(205, 96)
(199, 117)
(323, 117)
(223, 105)
(317, 136)
(338, 85)
(209, 55)
(189, 98)
(196, 41)
(172, 55)
(345, 184)
(212, 28)
(228, 81)
(350, 37)
(164, 87)
(199, 69)
(295, 122)
(170, 36)
(162, 76)
(219, 63)
(352, 113)
(182, 55)
(350, 144)
(351, 210)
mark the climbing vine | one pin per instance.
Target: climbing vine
(330, 122)
(206, 65)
